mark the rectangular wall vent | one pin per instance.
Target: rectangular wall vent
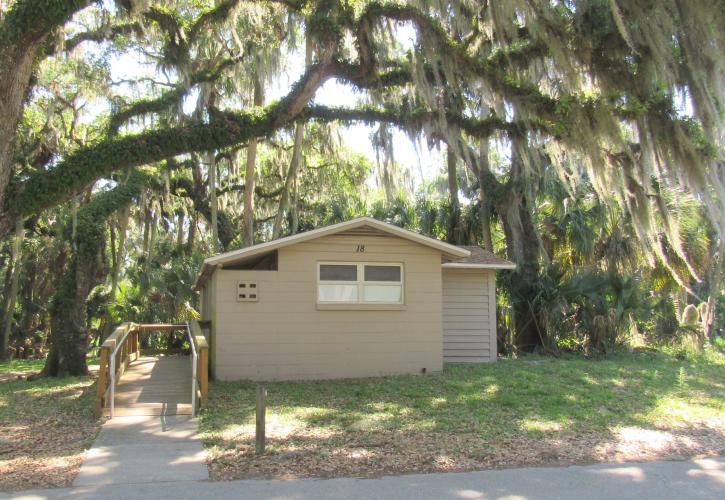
(247, 291)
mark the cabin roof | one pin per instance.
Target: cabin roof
(451, 254)
(478, 259)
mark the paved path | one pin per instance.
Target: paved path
(144, 449)
(692, 479)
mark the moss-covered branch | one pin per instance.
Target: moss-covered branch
(79, 169)
(214, 15)
(29, 20)
(412, 120)
(102, 34)
(168, 99)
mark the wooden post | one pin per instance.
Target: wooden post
(260, 438)
(203, 374)
(138, 341)
(102, 381)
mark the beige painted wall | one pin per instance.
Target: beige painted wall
(286, 336)
(469, 315)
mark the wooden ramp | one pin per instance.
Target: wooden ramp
(155, 385)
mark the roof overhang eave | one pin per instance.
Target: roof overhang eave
(463, 265)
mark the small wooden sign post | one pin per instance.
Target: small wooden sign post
(261, 413)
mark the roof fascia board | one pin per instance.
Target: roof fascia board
(459, 265)
(335, 228)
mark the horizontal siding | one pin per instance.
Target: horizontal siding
(465, 345)
(453, 338)
(285, 336)
(468, 359)
(468, 320)
(462, 301)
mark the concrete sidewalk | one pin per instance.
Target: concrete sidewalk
(144, 449)
(692, 479)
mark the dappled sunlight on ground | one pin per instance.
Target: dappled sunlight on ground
(541, 426)
(471, 417)
(44, 427)
(635, 443)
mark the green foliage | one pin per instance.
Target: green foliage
(165, 294)
(35, 16)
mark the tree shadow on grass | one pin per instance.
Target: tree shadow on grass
(478, 416)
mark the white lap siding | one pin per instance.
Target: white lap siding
(469, 315)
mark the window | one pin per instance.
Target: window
(364, 283)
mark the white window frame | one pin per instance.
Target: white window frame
(360, 282)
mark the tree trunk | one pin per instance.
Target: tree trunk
(29, 307)
(180, 232)
(11, 299)
(119, 254)
(294, 215)
(249, 173)
(121, 250)
(68, 332)
(484, 203)
(14, 84)
(454, 223)
(213, 202)
(191, 238)
(146, 230)
(149, 252)
(522, 247)
(23, 33)
(284, 202)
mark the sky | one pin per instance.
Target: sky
(421, 162)
(417, 159)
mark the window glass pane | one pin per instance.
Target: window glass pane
(383, 293)
(337, 293)
(331, 272)
(382, 273)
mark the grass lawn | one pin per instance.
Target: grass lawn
(529, 411)
(19, 367)
(45, 425)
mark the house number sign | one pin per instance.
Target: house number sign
(360, 249)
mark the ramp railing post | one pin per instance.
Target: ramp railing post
(194, 356)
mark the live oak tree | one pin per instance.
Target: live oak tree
(86, 268)
(591, 88)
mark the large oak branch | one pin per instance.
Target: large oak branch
(79, 169)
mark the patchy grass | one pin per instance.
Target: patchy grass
(21, 365)
(511, 413)
(21, 368)
(45, 425)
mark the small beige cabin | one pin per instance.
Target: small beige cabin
(357, 299)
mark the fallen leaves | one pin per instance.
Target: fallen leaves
(394, 452)
(44, 427)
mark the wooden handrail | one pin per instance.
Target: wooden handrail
(160, 327)
(123, 357)
(202, 369)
